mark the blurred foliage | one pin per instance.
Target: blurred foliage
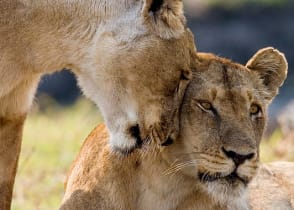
(278, 147)
(267, 153)
(239, 3)
(52, 138)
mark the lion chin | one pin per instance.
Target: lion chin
(228, 191)
(219, 187)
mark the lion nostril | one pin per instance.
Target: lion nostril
(250, 156)
(135, 132)
(238, 158)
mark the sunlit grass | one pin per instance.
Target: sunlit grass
(274, 148)
(268, 146)
(52, 139)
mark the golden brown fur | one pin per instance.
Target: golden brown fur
(124, 53)
(209, 165)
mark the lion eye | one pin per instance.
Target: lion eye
(206, 106)
(254, 109)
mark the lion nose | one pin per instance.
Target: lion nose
(238, 158)
(135, 133)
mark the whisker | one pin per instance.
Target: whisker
(177, 167)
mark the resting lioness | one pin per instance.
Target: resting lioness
(131, 57)
(211, 162)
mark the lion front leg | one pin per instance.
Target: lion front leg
(13, 110)
(10, 146)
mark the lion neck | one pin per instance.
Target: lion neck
(154, 187)
(163, 184)
(160, 184)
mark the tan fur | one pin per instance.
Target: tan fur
(8, 164)
(126, 54)
(273, 187)
(189, 174)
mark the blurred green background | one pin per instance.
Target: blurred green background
(56, 128)
(52, 138)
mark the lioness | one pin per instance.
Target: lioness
(212, 161)
(131, 57)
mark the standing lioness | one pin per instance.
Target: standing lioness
(131, 57)
(209, 166)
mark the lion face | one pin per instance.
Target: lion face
(143, 61)
(222, 121)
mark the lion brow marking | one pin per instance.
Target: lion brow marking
(226, 81)
(156, 5)
(228, 86)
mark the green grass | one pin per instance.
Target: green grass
(51, 141)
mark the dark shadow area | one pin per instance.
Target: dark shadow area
(62, 86)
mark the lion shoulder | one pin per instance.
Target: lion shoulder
(90, 180)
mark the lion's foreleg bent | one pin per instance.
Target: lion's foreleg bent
(10, 145)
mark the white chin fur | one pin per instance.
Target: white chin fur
(225, 195)
(122, 143)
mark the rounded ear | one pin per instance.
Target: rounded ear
(164, 17)
(271, 67)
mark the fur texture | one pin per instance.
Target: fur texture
(273, 187)
(208, 167)
(125, 56)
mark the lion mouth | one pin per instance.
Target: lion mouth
(231, 178)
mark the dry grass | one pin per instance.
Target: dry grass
(52, 139)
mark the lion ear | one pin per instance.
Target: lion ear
(164, 17)
(271, 67)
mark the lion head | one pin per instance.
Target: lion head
(223, 117)
(143, 59)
